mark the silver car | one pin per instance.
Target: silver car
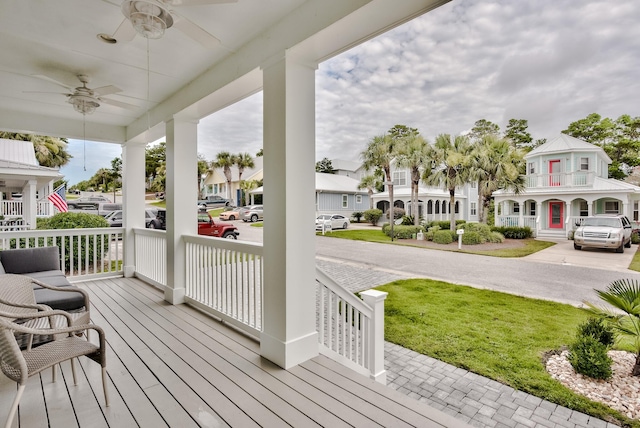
(251, 213)
(603, 231)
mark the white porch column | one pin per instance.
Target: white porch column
(625, 209)
(133, 204)
(181, 198)
(538, 216)
(289, 334)
(521, 214)
(590, 208)
(29, 203)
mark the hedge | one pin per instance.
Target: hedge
(514, 232)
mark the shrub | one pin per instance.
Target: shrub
(442, 237)
(635, 237)
(407, 220)
(514, 232)
(430, 232)
(444, 224)
(357, 216)
(88, 248)
(401, 231)
(598, 329)
(373, 215)
(472, 238)
(397, 213)
(589, 357)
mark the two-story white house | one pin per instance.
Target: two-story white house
(566, 179)
(433, 202)
(215, 182)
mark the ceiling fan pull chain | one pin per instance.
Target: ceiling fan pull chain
(84, 141)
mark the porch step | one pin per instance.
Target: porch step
(551, 234)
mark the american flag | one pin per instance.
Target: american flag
(58, 199)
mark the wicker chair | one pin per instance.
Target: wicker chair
(19, 365)
(17, 297)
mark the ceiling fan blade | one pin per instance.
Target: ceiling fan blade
(125, 31)
(198, 2)
(49, 79)
(118, 104)
(43, 92)
(106, 90)
(195, 32)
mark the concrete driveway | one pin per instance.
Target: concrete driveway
(563, 253)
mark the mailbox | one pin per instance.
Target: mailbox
(460, 231)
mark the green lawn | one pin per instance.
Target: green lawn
(497, 335)
(376, 235)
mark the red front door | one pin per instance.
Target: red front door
(556, 215)
(554, 173)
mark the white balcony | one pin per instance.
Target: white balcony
(561, 179)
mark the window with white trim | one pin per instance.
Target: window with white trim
(400, 178)
(345, 201)
(358, 199)
(584, 209)
(531, 167)
(473, 209)
(532, 208)
(516, 208)
(611, 207)
(635, 211)
(584, 164)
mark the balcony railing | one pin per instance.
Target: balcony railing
(84, 253)
(14, 209)
(561, 179)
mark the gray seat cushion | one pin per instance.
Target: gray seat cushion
(50, 277)
(25, 260)
(59, 299)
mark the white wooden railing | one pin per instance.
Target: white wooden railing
(84, 253)
(514, 221)
(14, 208)
(560, 179)
(225, 278)
(349, 330)
(150, 248)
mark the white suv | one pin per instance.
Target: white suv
(603, 231)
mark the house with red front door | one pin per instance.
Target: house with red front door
(566, 180)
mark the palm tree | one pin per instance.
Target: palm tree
(497, 164)
(243, 160)
(380, 152)
(202, 167)
(225, 160)
(369, 182)
(624, 296)
(50, 152)
(452, 157)
(414, 153)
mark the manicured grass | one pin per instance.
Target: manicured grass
(376, 235)
(496, 335)
(635, 263)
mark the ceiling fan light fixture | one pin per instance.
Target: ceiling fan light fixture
(84, 105)
(148, 18)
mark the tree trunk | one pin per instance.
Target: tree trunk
(636, 367)
(414, 203)
(452, 208)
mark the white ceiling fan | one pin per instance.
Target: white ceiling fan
(151, 18)
(84, 99)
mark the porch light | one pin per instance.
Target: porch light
(148, 18)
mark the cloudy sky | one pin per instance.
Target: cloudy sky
(550, 62)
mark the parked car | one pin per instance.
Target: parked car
(105, 208)
(603, 231)
(87, 202)
(209, 227)
(206, 225)
(214, 201)
(115, 218)
(230, 214)
(251, 213)
(336, 221)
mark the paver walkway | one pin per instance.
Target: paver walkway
(477, 400)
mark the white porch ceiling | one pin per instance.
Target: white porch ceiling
(58, 38)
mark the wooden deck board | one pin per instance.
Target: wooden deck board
(176, 366)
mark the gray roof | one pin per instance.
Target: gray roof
(330, 183)
(564, 143)
(20, 152)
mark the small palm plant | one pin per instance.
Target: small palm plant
(624, 296)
